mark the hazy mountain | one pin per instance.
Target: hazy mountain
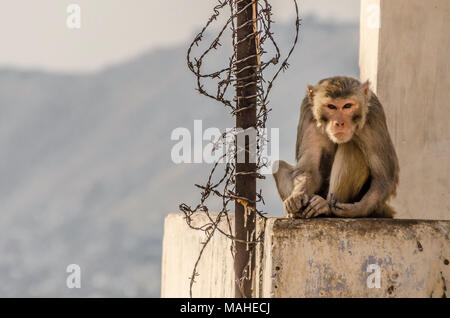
(86, 173)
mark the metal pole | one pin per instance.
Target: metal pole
(246, 90)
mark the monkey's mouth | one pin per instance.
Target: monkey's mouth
(340, 134)
(342, 137)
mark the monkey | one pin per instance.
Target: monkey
(346, 164)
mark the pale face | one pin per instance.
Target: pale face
(339, 116)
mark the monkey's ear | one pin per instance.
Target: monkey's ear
(366, 88)
(310, 93)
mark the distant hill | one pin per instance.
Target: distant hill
(85, 169)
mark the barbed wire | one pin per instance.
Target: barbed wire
(224, 78)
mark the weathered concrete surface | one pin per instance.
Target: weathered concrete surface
(408, 62)
(181, 247)
(330, 258)
(314, 258)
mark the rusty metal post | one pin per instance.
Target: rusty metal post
(246, 90)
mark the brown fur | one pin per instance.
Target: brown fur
(361, 174)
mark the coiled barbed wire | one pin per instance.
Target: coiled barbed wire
(224, 79)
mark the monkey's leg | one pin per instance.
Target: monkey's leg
(284, 179)
(348, 175)
(373, 203)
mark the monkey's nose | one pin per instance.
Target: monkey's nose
(339, 124)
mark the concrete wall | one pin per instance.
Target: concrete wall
(408, 61)
(406, 55)
(315, 258)
(369, 35)
(330, 258)
(181, 247)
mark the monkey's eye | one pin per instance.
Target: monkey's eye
(330, 106)
(346, 106)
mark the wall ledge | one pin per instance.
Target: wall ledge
(316, 258)
(337, 257)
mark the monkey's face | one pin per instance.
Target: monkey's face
(339, 107)
(340, 118)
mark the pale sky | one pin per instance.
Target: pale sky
(34, 34)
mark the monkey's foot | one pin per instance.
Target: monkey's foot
(294, 203)
(349, 210)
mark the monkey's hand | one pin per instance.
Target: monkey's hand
(294, 203)
(316, 206)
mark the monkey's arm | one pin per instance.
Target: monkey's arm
(306, 177)
(297, 184)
